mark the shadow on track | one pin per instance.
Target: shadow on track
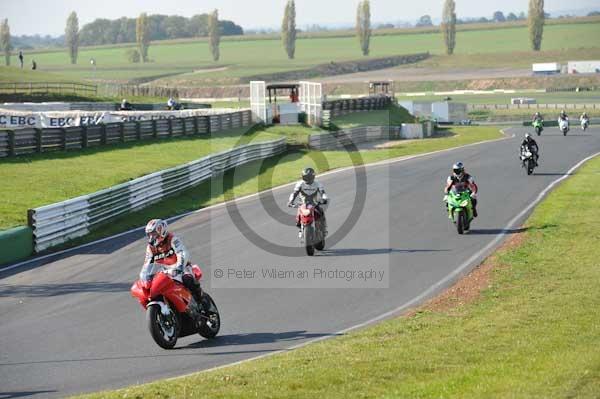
(51, 290)
(22, 394)
(255, 338)
(374, 251)
(511, 231)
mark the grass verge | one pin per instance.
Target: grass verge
(531, 332)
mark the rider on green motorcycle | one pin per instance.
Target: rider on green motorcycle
(537, 116)
(460, 177)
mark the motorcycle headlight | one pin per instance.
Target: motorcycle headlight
(305, 212)
(464, 203)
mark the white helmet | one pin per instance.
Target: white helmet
(156, 231)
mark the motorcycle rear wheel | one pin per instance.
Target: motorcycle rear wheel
(530, 166)
(212, 313)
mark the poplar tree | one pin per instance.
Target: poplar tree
(142, 34)
(536, 23)
(214, 34)
(363, 25)
(72, 37)
(288, 29)
(449, 26)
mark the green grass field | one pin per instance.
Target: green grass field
(64, 175)
(531, 333)
(253, 57)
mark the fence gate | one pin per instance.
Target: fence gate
(258, 101)
(311, 101)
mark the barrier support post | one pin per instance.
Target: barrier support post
(38, 140)
(103, 134)
(63, 132)
(11, 143)
(84, 136)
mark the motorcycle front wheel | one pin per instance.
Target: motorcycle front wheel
(308, 235)
(530, 166)
(460, 220)
(162, 328)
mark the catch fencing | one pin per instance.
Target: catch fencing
(48, 87)
(92, 106)
(475, 107)
(33, 140)
(57, 223)
(335, 108)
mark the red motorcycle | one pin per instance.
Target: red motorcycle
(312, 229)
(171, 310)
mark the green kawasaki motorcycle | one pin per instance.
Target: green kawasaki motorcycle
(538, 125)
(460, 208)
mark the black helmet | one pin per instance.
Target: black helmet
(308, 175)
(458, 168)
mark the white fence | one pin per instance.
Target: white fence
(472, 107)
(348, 138)
(57, 223)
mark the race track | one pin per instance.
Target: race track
(69, 325)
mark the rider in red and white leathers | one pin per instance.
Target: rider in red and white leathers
(167, 249)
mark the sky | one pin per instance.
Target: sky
(49, 16)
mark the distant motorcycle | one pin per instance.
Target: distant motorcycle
(538, 125)
(585, 123)
(527, 160)
(171, 310)
(563, 125)
(460, 208)
(312, 230)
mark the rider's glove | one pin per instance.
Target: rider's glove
(324, 201)
(290, 204)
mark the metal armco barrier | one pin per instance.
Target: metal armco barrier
(57, 223)
(32, 140)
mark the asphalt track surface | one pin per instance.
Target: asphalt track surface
(69, 325)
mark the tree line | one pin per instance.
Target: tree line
(160, 27)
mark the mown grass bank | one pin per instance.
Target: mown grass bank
(533, 331)
(42, 179)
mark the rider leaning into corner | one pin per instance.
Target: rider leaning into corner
(167, 249)
(312, 191)
(460, 177)
(530, 144)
